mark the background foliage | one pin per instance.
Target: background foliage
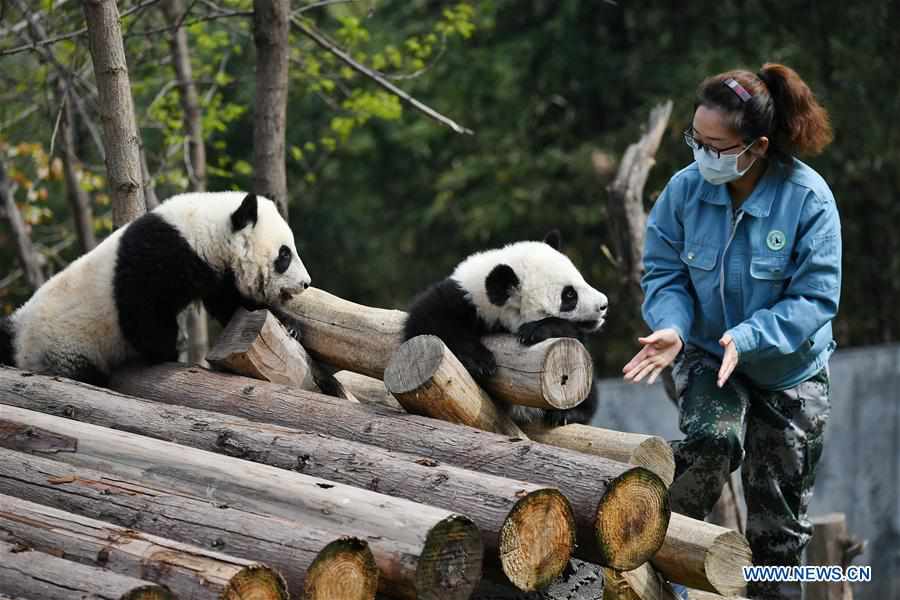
(384, 201)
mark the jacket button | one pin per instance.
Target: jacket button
(691, 256)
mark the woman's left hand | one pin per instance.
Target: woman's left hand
(729, 361)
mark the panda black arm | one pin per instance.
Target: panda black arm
(223, 298)
(157, 274)
(444, 311)
(551, 327)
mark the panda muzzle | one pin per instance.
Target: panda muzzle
(289, 292)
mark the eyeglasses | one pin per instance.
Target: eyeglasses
(694, 144)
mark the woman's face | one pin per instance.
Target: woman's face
(709, 129)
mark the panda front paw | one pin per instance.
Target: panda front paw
(552, 327)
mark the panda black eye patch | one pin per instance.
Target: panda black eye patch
(568, 299)
(284, 259)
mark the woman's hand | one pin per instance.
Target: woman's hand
(729, 360)
(660, 349)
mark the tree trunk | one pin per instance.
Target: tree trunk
(271, 24)
(419, 549)
(28, 256)
(197, 321)
(304, 554)
(529, 527)
(42, 576)
(626, 196)
(703, 556)
(120, 134)
(188, 571)
(647, 451)
(605, 495)
(187, 92)
(79, 201)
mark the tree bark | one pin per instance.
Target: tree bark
(28, 256)
(79, 201)
(647, 451)
(367, 389)
(427, 379)
(347, 335)
(37, 575)
(197, 322)
(188, 571)
(187, 93)
(530, 528)
(271, 25)
(626, 196)
(703, 556)
(255, 344)
(305, 555)
(419, 549)
(604, 494)
(120, 134)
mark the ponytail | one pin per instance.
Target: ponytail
(801, 124)
(778, 105)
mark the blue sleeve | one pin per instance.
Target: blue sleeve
(811, 298)
(668, 297)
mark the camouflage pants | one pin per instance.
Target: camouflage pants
(776, 437)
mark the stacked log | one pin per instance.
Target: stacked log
(306, 556)
(420, 550)
(33, 574)
(529, 527)
(621, 511)
(704, 556)
(186, 570)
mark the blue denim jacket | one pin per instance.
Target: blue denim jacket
(768, 273)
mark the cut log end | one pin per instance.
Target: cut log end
(632, 518)
(344, 569)
(724, 561)
(567, 373)
(537, 539)
(450, 564)
(258, 582)
(150, 592)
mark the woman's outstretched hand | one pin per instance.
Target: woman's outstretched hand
(660, 349)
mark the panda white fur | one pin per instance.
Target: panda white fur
(526, 288)
(119, 301)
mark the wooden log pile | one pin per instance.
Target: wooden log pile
(339, 463)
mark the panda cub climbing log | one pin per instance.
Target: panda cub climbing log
(527, 288)
(120, 300)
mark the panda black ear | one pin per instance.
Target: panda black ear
(553, 239)
(500, 283)
(246, 213)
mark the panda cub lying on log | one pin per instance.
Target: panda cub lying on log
(529, 289)
(119, 301)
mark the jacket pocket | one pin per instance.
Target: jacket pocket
(771, 268)
(699, 256)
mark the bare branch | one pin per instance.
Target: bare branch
(28, 257)
(68, 36)
(323, 42)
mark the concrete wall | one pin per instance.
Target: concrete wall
(859, 473)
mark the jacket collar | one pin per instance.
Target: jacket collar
(759, 204)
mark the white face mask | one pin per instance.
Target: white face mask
(723, 169)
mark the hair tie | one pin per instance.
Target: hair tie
(738, 89)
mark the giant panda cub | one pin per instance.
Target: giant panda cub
(529, 289)
(119, 301)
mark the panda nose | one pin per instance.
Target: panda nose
(602, 306)
(305, 285)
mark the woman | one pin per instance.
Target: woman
(742, 272)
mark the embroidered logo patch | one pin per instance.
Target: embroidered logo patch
(776, 240)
